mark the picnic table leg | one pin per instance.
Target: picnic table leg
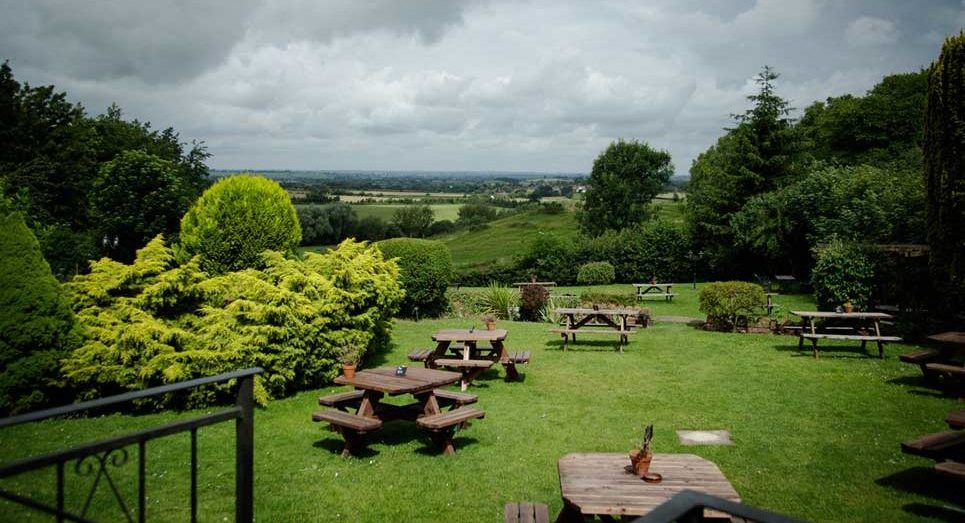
(881, 344)
(569, 515)
(814, 345)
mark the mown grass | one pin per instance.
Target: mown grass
(507, 237)
(815, 439)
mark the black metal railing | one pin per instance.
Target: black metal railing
(98, 458)
(689, 505)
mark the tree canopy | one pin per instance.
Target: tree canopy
(625, 178)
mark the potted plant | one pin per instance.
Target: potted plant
(848, 306)
(490, 321)
(640, 457)
(350, 360)
(653, 280)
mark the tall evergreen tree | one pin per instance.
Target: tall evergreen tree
(945, 174)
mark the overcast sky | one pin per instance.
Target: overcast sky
(447, 85)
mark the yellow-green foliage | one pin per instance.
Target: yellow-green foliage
(155, 322)
(237, 219)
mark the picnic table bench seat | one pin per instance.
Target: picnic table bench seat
(443, 425)
(952, 469)
(863, 338)
(452, 397)
(947, 444)
(956, 419)
(351, 426)
(461, 363)
(516, 357)
(920, 357)
(342, 400)
(526, 512)
(567, 333)
(420, 354)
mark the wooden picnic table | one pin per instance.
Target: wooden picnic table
(599, 485)
(540, 283)
(654, 290)
(473, 359)
(614, 321)
(374, 384)
(855, 326)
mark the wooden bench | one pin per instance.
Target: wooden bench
(864, 339)
(668, 296)
(518, 357)
(342, 400)
(351, 426)
(567, 333)
(920, 357)
(420, 354)
(448, 398)
(949, 444)
(526, 512)
(443, 425)
(956, 420)
(469, 368)
(952, 469)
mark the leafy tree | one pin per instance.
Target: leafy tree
(136, 197)
(236, 220)
(37, 327)
(373, 228)
(945, 174)
(327, 225)
(413, 220)
(762, 153)
(426, 270)
(625, 178)
(476, 214)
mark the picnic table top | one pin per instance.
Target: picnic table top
(599, 484)
(585, 310)
(844, 315)
(658, 284)
(784, 277)
(383, 379)
(950, 338)
(467, 335)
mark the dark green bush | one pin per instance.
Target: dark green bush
(654, 248)
(549, 258)
(483, 275)
(729, 304)
(426, 270)
(595, 273)
(236, 220)
(532, 302)
(37, 327)
(155, 322)
(843, 272)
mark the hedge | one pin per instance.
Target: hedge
(426, 270)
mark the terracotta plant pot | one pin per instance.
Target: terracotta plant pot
(490, 325)
(640, 462)
(348, 370)
(848, 308)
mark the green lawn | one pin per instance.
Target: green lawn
(815, 439)
(506, 237)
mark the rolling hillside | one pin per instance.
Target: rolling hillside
(506, 237)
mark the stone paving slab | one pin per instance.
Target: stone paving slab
(704, 437)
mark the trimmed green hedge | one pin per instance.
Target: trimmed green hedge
(237, 219)
(426, 270)
(843, 272)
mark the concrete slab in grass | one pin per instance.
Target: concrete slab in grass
(704, 437)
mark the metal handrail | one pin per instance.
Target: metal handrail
(688, 506)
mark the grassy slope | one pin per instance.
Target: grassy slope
(506, 237)
(816, 439)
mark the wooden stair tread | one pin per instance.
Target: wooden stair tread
(447, 419)
(946, 368)
(420, 354)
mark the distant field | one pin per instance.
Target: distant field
(442, 211)
(506, 237)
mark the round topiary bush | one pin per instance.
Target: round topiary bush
(596, 273)
(426, 270)
(237, 219)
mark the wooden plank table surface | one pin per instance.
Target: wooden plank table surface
(384, 380)
(617, 319)
(661, 290)
(952, 338)
(859, 321)
(598, 484)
